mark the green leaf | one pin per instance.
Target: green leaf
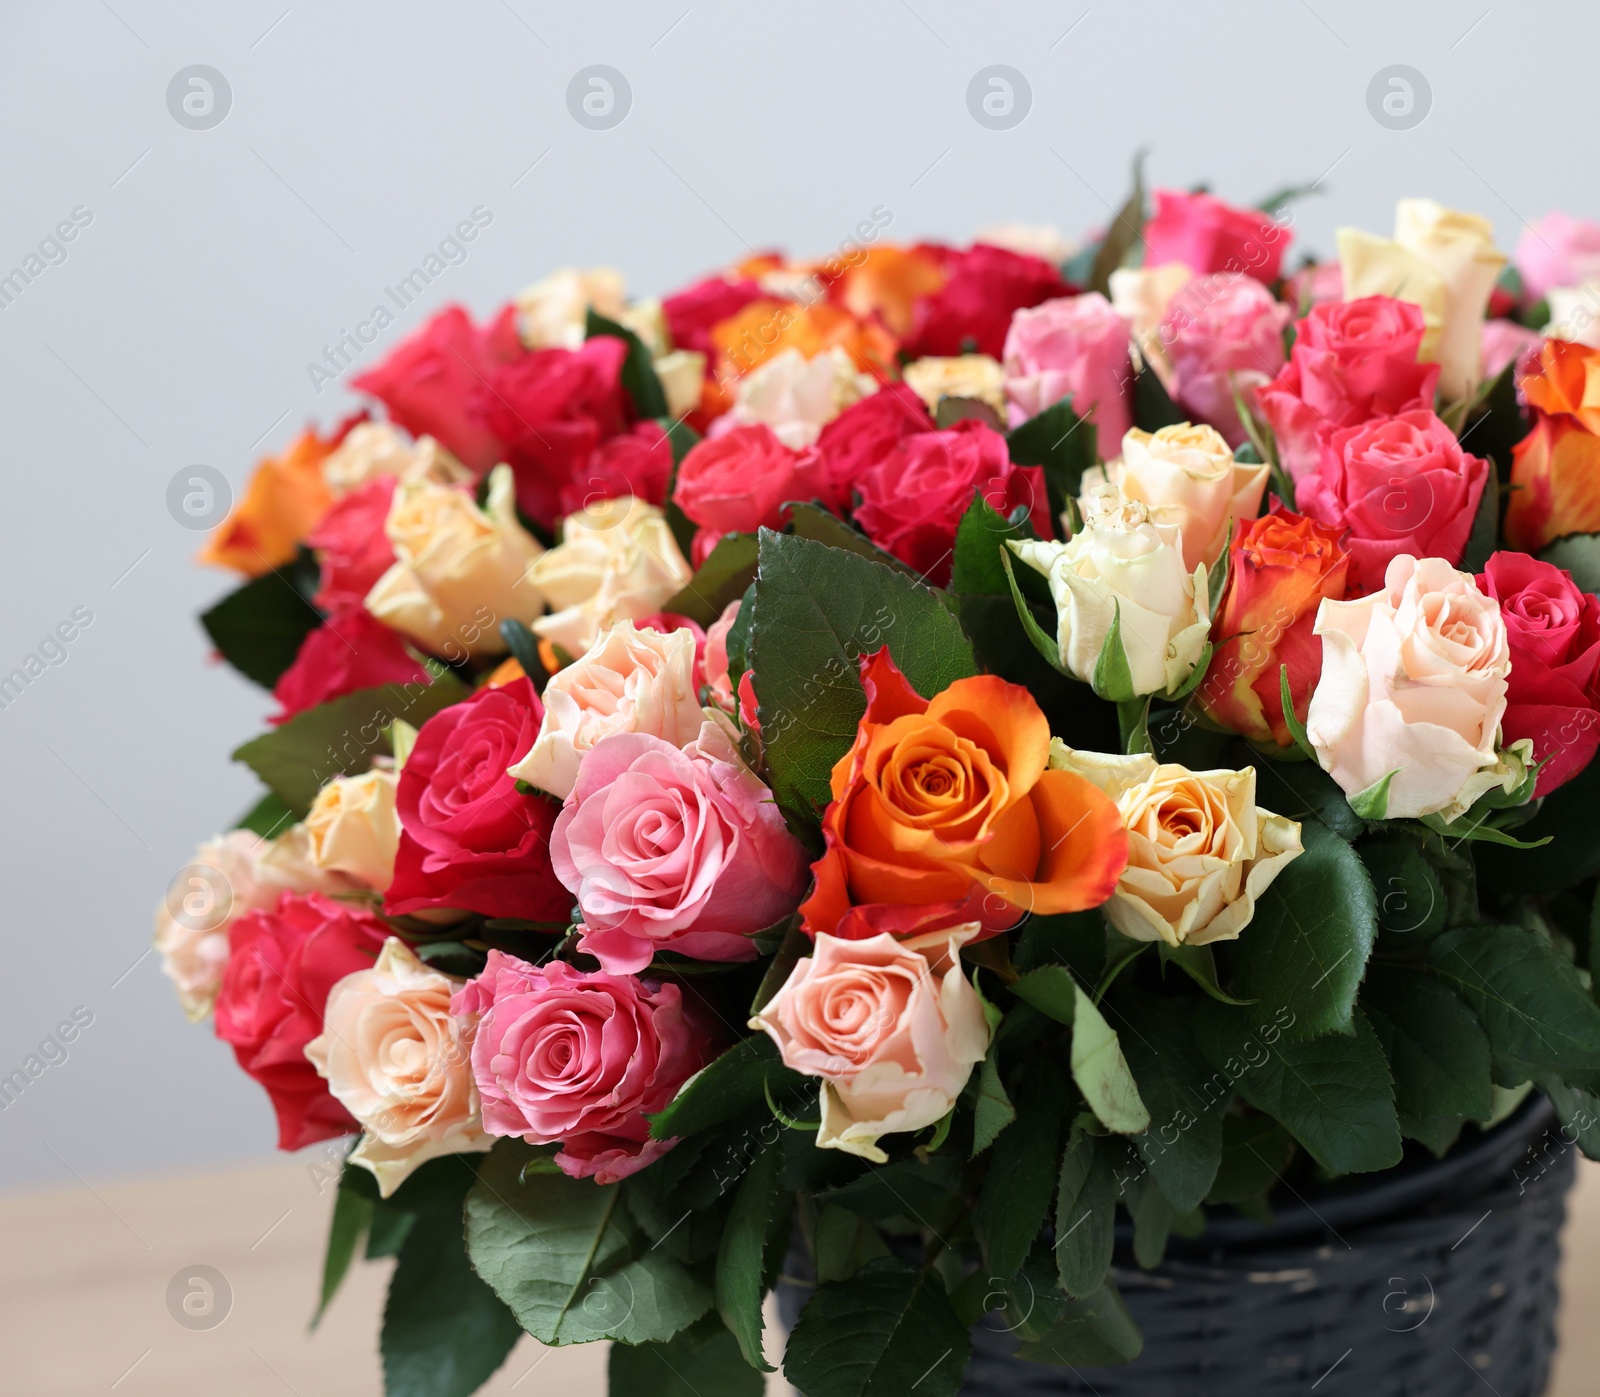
(1333, 1094)
(268, 817)
(388, 1232)
(1297, 729)
(524, 647)
(1485, 524)
(1016, 1190)
(739, 1283)
(920, 1192)
(794, 945)
(1046, 644)
(885, 1332)
(639, 379)
(1101, 1071)
(1411, 901)
(1124, 234)
(1199, 963)
(1495, 431)
(341, 737)
(1570, 813)
(812, 521)
(1539, 1018)
(1580, 1116)
(980, 542)
(727, 571)
(352, 1215)
(1372, 804)
(1579, 554)
(818, 610)
(1092, 1333)
(992, 1110)
(703, 1361)
(1133, 718)
(568, 1260)
(1152, 1216)
(1086, 1215)
(1113, 679)
(1153, 407)
(1255, 1151)
(951, 410)
(258, 629)
(1075, 939)
(727, 1087)
(1061, 442)
(1051, 990)
(846, 1241)
(1301, 790)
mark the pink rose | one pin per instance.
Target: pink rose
(741, 480)
(1505, 343)
(1314, 285)
(669, 849)
(351, 544)
(1207, 235)
(565, 1055)
(636, 462)
(862, 435)
(1400, 485)
(1075, 345)
(1223, 334)
(1352, 361)
(717, 679)
(893, 1028)
(1557, 251)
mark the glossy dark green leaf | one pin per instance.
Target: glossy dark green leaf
(727, 1087)
(1086, 1214)
(703, 1361)
(1096, 1332)
(1153, 407)
(739, 1283)
(259, 628)
(812, 521)
(1255, 1151)
(723, 577)
(1022, 1172)
(1061, 442)
(352, 1215)
(845, 1242)
(639, 380)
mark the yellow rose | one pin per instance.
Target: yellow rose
(964, 376)
(459, 570)
(1442, 261)
(554, 312)
(683, 376)
(373, 449)
(1200, 850)
(353, 828)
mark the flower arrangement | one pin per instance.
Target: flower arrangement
(907, 756)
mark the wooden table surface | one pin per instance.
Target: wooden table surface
(84, 1272)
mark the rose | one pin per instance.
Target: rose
(1443, 261)
(429, 380)
(1315, 284)
(718, 681)
(913, 499)
(459, 570)
(352, 549)
(1565, 379)
(1207, 235)
(470, 840)
(1557, 251)
(983, 287)
(581, 1058)
(741, 479)
(1123, 568)
(1553, 694)
(1555, 484)
(1508, 345)
(943, 813)
(1351, 361)
(692, 312)
(861, 436)
(552, 408)
(617, 561)
(353, 828)
(673, 850)
(682, 375)
(892, 1029)
(375, 451)
(1413, 688)
(395, 1059)
(1033, 239)
(887, 281)
(1074, 347)
(1188, 479)
(283, 961)
(768, 327)
(1573, 316)
(351, 650)
(1224, 337)
(1200, 850)
(1141, 295)
(795, 396)
(636, 462)
(1399, 484)
(1280, 568)
(282, 503)
(630, 680)
(974, 376)
(554, 311)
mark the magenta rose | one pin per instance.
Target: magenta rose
(469, 839)
(637, 462)
(351, 650)
(1557, 250)
(1351, 361)
(580, 1058)
(1553, 697)
(674, 850)
(1207, 236)
(282, 961)
(1075, 346)
(913, 499)
(352, 548)
(740, 480)
(864, 433)
(692, 312)
(1400, 485)
(1223, 333)
(984, 287)
(427, 382)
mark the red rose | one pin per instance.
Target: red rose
(972, 311)
(913, 499)
(469, 839)
(1207, 236)
(864, 433)
(1352, 361)
(1553, 694)
(428, 379)
(741, 479)
(692, 312)
(282, 962)
(635, 463)
(552, 408)
(351, 650)
(351, 544)
(1400, 485)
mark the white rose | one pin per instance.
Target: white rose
(1574, 314)
(1029, 240)
(353, 827)
(683, 377)
(797, 397)
(1141, 295)
(554, 312)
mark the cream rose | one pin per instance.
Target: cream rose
(1574, 314)
(1029, 239)
(373, 449)
(617, 561)
(683, 377)
(1200, 850)
(797, 397)
(1141, 295)
(962, 376)
(353, 827)
(459, 570)
(553, 313)
(1441, 260)
(893, 1028)
(395, 1059)
(1414, 684)
(1187, 477)
(630, 680)
(1122, 563)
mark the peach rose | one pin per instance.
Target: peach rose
(797, 397)
(395, 1059)
(1414, 685)
(1141, 296)
(958, 376)
(353, 827)
(630, 680)
(1200, 850)
(893, 1028)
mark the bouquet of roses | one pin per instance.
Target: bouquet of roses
(866, 768)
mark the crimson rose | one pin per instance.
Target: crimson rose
(351, 650)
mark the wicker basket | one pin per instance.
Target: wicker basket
(1436, 1280)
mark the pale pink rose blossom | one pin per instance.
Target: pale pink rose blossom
(1223, 333)
(1504, 343)
(1557, 251)
(1076, 345)
(719, 684)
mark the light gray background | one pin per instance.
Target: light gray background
(219, 262)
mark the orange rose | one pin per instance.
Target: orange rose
(283, 502)
(888, 280)
(767, 327)
(943, 812)
(1566, 378)
(1555, 483)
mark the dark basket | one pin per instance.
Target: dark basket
(1436, 1279)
